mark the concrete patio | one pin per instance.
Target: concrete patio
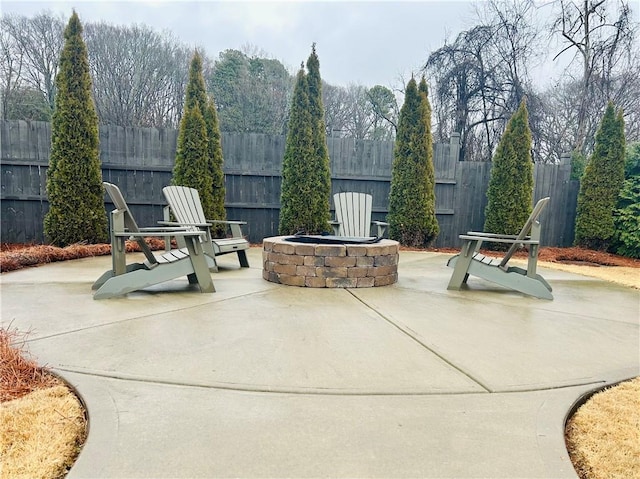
(265, 380)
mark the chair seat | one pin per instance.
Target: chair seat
(471, 262)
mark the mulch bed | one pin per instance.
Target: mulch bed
(16, 256)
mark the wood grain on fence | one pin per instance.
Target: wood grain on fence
(140, 161)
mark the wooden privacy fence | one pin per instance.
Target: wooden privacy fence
(140, 161)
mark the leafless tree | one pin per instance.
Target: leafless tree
(138, 75)
(483, 75)
(11, 61)
(602, 38)
(37, 41)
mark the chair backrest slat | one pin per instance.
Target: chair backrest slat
(532, 225)
(129, 222)
(185, 204)
(353, 212)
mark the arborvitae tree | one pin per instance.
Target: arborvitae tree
(626, 218)
(430, 193)
(215, 165)
(192, 153)
(322, 169)
(194, 167)
(510, 193)
(306, 177)
(296, 193)
(601, 183)
(74, 178)
(411, 218)
(196, 92)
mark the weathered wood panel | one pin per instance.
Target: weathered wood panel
(140, 160)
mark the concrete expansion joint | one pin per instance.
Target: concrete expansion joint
(413, 336)
(240, 387)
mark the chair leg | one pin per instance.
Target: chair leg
(199, 263)
(461, 267)
(242, 257)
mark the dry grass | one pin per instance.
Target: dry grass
(603, 436)
(42, 434)
(42, 423)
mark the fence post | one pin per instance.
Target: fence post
(454, 147)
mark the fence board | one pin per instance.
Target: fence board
(140, 160)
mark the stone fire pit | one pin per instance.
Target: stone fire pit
(330, 265)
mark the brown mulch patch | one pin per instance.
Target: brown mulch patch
(16, 256)
(19, 373)
(571, 255)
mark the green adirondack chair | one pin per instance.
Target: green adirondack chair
(353, 216)
(471, 262)
(124, 278)
(184, 203)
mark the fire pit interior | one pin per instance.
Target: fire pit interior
(329, 265)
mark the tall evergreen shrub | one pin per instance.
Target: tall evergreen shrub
(215, 165)
(192, 155)
(412, 219)
(322, 169)
(296, 192)
(306, 176)
(74, 177)
(510, 192)
(601, 183)
(626, 217)
(195, 165)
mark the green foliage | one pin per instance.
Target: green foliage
(510, 192)
(252, 93)
(192, 153)
(601, 184)
(632, 160)
(412, 219)
(626, 219)
(626, 216)
(306, 178)
(215, 166)
(196, 93)
(26, 104)
(578, 163)
(321, 171)
(74, 178)
(195, 167)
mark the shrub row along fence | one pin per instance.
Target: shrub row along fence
(140, 161)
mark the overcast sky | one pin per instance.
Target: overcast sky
(368, 43)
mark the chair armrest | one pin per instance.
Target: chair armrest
(227, 222)
(159, 232)
(497, 239)
(171, 223)
(380, 223)
(492, 235)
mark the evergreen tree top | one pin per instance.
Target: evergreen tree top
(196, 93)
(423, 86)
(74, 27)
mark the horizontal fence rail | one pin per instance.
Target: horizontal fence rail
(140, 162)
